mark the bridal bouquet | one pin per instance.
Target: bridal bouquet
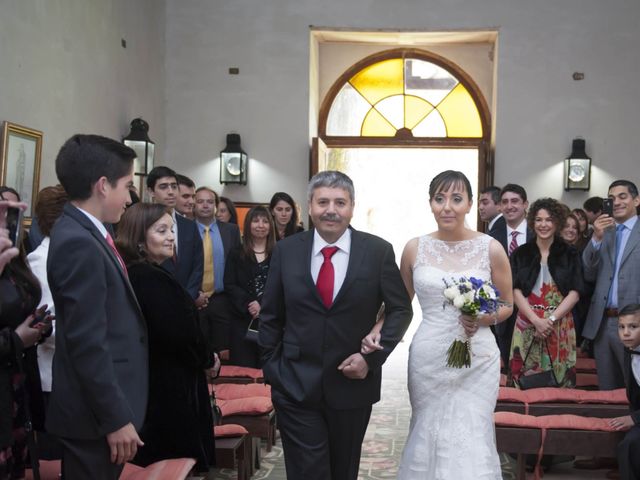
(473, 297)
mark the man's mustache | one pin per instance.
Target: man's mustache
(330, 217)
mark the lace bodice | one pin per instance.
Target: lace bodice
(454, 256)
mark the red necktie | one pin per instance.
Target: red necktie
(115, 251)
(324, 284)
(514, 243)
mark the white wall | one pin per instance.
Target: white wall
(63, 70)
(539, 107)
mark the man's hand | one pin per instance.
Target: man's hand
(124, 444)
(354, 367)
(600, 224)
(202, 301)
(214, 371)
(622, 423)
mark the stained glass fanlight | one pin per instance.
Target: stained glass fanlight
(404, 97)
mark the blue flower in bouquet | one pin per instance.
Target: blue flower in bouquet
(472, 296)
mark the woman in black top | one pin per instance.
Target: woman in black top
(179, 422)
(245, 275)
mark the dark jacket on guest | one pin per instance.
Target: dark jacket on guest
(179, 421)
(633, 389)
(244, 282)
(565, 266)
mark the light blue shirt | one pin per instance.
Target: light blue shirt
(218, 254)
(612, 301)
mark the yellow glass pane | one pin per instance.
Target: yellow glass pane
(380, 80)
(375, 125)
(415, 109)
(460, 114)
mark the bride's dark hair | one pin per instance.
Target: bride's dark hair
(444, 180)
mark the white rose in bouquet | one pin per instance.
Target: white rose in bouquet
(469, 296)
(458, 302)
(451, 292)
(489, 291)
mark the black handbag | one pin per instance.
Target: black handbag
(252, 330)
(538, 380)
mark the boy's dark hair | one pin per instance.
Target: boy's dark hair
(186, 181)
(493, 191)
(593, 204)
(631, 309)
(157, 173)
(83, 159)
(514, 188)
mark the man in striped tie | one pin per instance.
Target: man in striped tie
(511, 231)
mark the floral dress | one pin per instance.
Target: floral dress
(561, 354)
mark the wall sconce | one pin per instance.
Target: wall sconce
(233, 162)
(138, 139)
(577, 168)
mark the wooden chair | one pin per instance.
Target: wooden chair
(234, 447)
(170, 469)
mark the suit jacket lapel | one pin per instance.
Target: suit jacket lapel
(306, 240)
(85, 222)
(356, 256)
(632, 241)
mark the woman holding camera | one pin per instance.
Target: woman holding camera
(21, 328)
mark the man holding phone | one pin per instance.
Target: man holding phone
(612, 261)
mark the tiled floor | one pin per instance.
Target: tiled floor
(387, 430)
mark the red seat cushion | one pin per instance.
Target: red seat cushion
(228, 391)
(510, 394)
(171, 469)
(235, 371)
(586, 379)
(245, 406)
(229, 430)
(585, 364)
(565, 422)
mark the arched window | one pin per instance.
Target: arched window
(405, 94)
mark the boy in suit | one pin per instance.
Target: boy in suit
(100, 369)
(629, 333)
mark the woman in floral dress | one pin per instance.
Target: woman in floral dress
(547, 282)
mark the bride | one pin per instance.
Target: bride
(451, 433)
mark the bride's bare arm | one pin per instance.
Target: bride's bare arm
(372, 341)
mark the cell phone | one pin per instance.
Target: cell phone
(14, 225)
(40, 319)
(607, 206)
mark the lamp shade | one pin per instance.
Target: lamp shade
(233, 162)
(577, 167)
(138, 139)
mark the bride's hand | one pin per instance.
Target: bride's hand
(469, 324)
(370, 343)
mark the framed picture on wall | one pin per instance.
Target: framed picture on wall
(242, 208)
(20, 162)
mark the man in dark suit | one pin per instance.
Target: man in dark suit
(511, 231)
(629, 333)
(489, 206)
(612, 260)
(323, 293)
(218, 238)
(100, 369)
(186, 266)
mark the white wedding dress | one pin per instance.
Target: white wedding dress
(451, 436)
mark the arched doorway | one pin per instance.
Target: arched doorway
(392, 121)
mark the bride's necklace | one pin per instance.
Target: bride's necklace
(259, 253)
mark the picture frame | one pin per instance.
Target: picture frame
(20, 160)
(242, 208)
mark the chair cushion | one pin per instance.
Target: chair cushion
(511, 394)
(235, 371)
(585, 364)
(565, 422)
(229, 430)
(171, 469)
(228, 391)
(245, 406)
